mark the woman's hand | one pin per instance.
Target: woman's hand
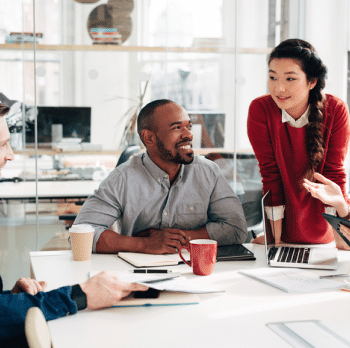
(327, 192)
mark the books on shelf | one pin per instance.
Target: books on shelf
(25, 37)
(105, 36)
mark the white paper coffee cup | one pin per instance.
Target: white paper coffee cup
(81, 237)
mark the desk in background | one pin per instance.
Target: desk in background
(236, 318)
(49, 190)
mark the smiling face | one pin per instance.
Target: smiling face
(173, 134)
(289, 87)
(6, 153)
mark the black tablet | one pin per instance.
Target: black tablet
(235, 252)
(334, 222)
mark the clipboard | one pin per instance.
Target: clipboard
(334, 221)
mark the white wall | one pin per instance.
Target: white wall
(102, 80)
(326, 28)
(252, 31)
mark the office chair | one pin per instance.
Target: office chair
(36, 329)
(250, 185)
(129, 152)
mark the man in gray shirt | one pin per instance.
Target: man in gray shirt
(165, 197)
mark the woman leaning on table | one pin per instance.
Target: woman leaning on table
(295, 131)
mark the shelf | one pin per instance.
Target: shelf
(51, 152)
(120, 48)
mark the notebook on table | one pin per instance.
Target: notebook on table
(236, 252)
(293, 255)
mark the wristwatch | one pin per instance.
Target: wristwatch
(79, 297)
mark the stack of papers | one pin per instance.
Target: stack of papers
(292, 280)
(175, 289)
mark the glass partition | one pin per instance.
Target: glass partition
(81, 87)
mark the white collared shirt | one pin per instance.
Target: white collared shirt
(300, 122)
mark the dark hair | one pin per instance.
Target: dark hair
(4, 109)
(314, 68)
(145, 120)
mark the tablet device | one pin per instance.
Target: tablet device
(334, 221)
(235, 252)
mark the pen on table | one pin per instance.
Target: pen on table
(151, 271)
(334, 276)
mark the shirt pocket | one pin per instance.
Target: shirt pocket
(191, 216)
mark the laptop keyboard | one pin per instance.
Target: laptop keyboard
(291, 255)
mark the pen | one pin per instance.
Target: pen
(334, 276)
(151, 271)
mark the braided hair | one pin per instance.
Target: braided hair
(313, 67)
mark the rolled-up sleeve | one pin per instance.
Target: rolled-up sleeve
(226, 221)
(102, 209)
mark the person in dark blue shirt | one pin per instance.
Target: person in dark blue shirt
(101, 291)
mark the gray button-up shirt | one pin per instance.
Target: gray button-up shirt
(138, 194)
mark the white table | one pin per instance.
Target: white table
(236, 318)
(47, 189)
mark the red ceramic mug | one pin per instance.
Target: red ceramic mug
(203, 255)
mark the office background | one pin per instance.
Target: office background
(207, 55)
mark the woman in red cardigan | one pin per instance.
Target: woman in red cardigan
(295, 131)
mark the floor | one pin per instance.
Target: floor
(18, 236)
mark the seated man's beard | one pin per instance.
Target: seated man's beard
(178, 158)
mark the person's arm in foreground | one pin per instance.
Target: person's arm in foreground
(331, 194)
(102, 290)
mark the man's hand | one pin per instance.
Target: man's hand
(31, 286)
(166, 241)
(106, 290)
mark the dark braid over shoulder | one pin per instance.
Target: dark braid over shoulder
(314, 69)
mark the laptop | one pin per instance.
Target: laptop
(295, 255)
